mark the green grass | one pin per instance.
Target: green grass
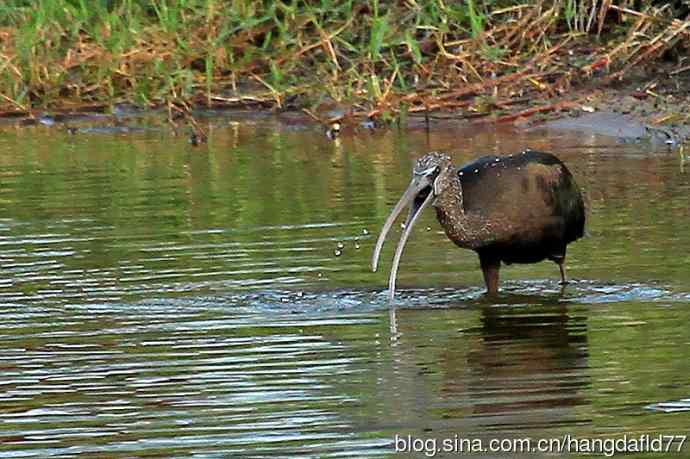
(152, 52)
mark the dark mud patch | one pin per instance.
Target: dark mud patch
(650, 106)
(622, 126)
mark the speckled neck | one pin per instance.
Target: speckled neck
(450, 199)
(449, 209)
(464, 229)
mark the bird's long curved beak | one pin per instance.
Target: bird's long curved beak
(417, 201)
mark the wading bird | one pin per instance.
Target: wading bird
(522, 208)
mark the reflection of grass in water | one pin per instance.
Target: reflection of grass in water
(639, 352)
(266, 194)
(681, 153)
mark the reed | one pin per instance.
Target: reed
(373, 56)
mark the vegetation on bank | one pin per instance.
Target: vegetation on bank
(378, 58)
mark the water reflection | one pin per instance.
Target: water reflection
(163, 300)
(531, 363)
(492, 368)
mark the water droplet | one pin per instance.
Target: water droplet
(428, 228)
(462, 173)
(340, 245)
(476, 170)
(319, 275)
(338, 252)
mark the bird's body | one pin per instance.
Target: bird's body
(522, 208)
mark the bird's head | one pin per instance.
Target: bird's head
(437, 168)
(430, 177)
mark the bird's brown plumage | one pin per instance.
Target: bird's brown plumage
(521, 208)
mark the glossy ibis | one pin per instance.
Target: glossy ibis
(522, 208)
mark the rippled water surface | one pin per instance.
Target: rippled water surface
(161, 300)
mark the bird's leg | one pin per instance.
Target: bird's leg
(490, 267)
(561, 265)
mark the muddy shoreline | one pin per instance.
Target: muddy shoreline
(651, 106)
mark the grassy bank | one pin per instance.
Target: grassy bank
(380, 58)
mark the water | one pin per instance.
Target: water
(162, 300)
